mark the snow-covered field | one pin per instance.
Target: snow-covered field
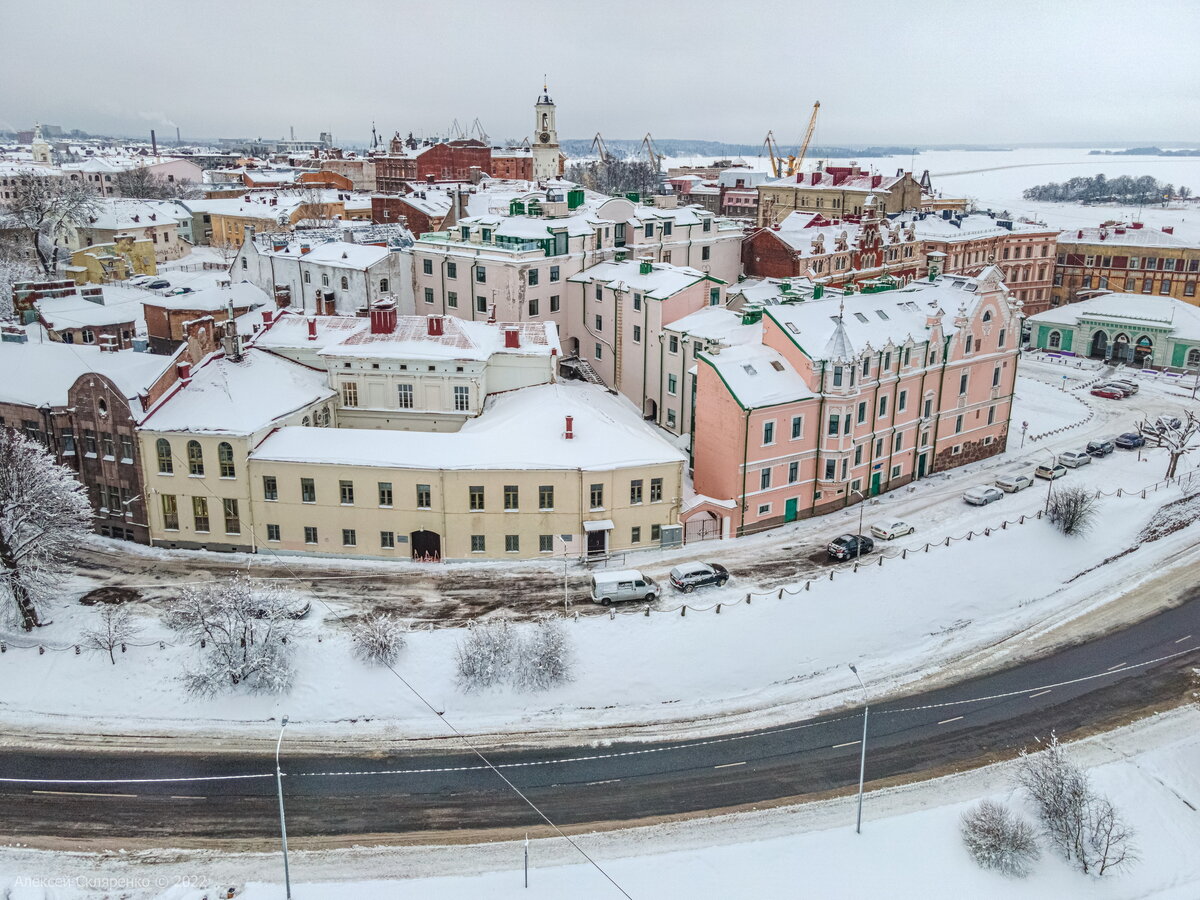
(909, 848)
(780, 657)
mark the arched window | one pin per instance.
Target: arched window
(244, 265)
(225, 459)
(1193, 357)
(305, 422)
(89, 336)
(345, 283)
(383, 285)
(1055, 340)
(166, 465)
(195, 457)
(987, 315)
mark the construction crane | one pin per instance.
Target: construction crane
(600, 148)
(790, 165)
(808, 133)
(772, 148)
(656, 158)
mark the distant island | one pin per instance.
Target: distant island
(1144, 151)
(1099, 189)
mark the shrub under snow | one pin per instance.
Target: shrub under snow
(997, 838)
(529, 659)
(379, 638)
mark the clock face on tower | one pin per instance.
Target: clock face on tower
(544, 137)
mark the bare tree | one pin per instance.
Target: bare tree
(142, 183)
(998, 838)
(44, 514)
(1109, 841)
(116, 629)
(1073, 510)
(1177, 441)
(243, 628)
(315, 205)
(615, 176)
(379, 638)
(531, 659)
(45, 209)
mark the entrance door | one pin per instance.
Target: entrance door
(789, 509)
(597, 543)
(426, 543)
(921, 465)
(875, 483)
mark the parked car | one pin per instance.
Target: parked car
(1171, 422)
(1058, 470)
(1075, 458)
(983, 495)
(1133, 386)
(140, 279)
(1115, 386)
(179, 291)
(891, 529)
(1097, 449)
(157, 284)
(1108, 393)
(690, 576)
(1017, 481)
(1130, 440)
(622, 584)
(849, 546)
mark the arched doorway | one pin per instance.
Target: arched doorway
(1099, 345)
(426, 543)
(651, 410)
(1143, 351)
(1120, 349)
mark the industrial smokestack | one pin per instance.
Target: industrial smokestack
(153, 142)
(178, 139)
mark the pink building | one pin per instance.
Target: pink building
(850, 396)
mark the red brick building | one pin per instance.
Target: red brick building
(441, 161)
(421, 211)
(514, 164)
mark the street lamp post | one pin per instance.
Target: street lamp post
(862, 503)
(862, 759)
(1050, 480)
(1024, 428)
(287, 878)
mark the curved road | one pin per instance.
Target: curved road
(395, 796)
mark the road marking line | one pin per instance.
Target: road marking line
(82, 794)
(727, 765)
(1184, 638)
(1117, 666)
(1038, 694)
(847, 744)
(609, 781)
(186, 797)
(948, 721)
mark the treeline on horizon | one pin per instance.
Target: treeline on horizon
(1144, 151)
(1100, 189)
(720, 150)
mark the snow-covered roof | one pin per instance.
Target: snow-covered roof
(716, 323)
(1181, 318)
(460, 339)
(226, 397)
(40, 373)
(341, 254)
(241, 294)
(120, 305)
(535, 229)
(971, 227)
(804, 231)
(758, 375)
(1124, 236)
(662, 281)
(521, 429)
(121, 214)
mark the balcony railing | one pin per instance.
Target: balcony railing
(445, 237)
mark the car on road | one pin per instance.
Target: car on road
(157, 284)
(1121, 386)
(1108, 393)
(1058, 470)
(1017, 481)
(891, 529)
(849, 546)
(982, 495)
(1132, 386)
(623, 584)
(1130, 440)
(1097, 449)
(690, 576)
(1075, 458)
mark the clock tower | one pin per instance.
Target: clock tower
(545, 139)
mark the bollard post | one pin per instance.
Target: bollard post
(647, 612)
(808, 585)
(970, 534)
(831, 574)
(927, 546)
(856, 567)
(780, 595)
(904, 553)
(947, 540)
(719, 607)
(881, 561)
(683, 611)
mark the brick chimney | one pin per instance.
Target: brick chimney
(312, 329)
(283, 295)
(435, 325)
(512, 336)
(492, 314)
(383, 317)
(185, 372)
(569, 434)
(268, 317)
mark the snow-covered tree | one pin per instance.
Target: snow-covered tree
(45, 209)
(1178, 442)
(116, 627)
(530, 659)
(543, 657)
(483, 656)
(141, 182)
(244, 628)
(1073, 510)
(16, 265)
(379, 638)
(998, 838)
(44, 514)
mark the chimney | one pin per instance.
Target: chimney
(312, 329)
(435, 326)
(491, 319)
(383, 317)
(283, 295)
(268, 317)
(1168, 229)
(153, 142)
(185, 372)
(305, 249)
(645, 265)
(512, 336)
(569, 434)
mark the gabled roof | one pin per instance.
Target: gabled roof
(758, 376)
(662, 281)
(1128, 311)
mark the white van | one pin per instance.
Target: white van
(622, 584)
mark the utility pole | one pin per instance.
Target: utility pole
(862, 760)
(287, 878)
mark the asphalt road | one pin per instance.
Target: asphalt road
(922, 733)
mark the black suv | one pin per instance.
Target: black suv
(1130, 440)
(849, 546)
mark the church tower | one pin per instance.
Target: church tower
(545, 139)
(42, 152)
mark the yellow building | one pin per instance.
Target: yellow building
(1128, 259)
(836, 191)
(271, 211)
(102, 263)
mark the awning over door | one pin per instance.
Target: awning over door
(599, 525)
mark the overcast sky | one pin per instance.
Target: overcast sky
(885, 72)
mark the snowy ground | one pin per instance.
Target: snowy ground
(778, 658)
(909, 848)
